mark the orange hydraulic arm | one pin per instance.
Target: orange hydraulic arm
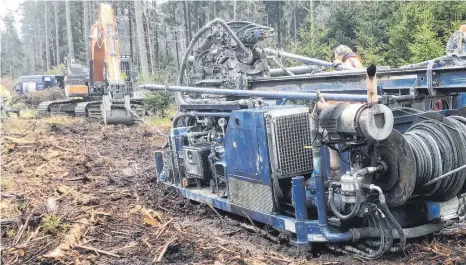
(105, 47)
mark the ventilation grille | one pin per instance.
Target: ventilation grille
(251, 195)
(292, 133)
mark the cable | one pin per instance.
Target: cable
(438, 156)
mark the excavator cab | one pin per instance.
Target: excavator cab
(76, 80)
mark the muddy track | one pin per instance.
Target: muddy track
(101, 179)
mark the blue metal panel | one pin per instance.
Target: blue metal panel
(462, 100)
(445, 79)
(433, 210)
(309, 228)
(246, 152)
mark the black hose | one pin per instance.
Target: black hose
(394, 222)
(388, 231)
(381, 249)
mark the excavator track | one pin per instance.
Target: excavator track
(57, 107)
(89, 109)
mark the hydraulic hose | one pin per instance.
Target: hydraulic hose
(357, 204)
(391, 218)
(382, 234)
(357, 189)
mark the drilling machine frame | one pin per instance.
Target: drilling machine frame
(369, 171)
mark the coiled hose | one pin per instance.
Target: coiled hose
(437, 151)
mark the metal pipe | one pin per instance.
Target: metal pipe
(371, 84)
(304, 69)
(422, 64)
(303, 59)
(299, 202)
(334, 164)
(321, 201)
(445, 175)
(256, 93)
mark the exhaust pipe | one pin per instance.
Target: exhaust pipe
(371, 85)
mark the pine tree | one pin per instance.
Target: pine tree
(425, 43)
(314, 41)
(11, 49)
(69, 30)
(141, 41)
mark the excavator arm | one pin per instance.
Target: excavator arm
(105, 48)
(105, 68)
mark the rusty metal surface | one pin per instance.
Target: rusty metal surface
(400, 178)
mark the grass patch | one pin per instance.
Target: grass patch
(5, 183)
(52, 224)
(11, 233)
(158, 121)
(27, 112)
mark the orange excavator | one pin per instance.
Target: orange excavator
(105, 90)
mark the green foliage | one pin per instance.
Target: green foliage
(159, 102)
(57, 70)
(11, 233)
(11, 49)
(314, 42)
(52, 224)
(425, 43)
(383, 32)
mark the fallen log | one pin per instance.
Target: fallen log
(69, 240)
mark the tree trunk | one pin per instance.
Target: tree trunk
(130, 20)
(36, 57)
(189, 23)
(177, 50)
(148, 39)
(141, 41)
(295, 24)
(215, 9)
(186, 27)
(166, 43)
(279, 35)
(234, 10)
(68, 30)
(86, 29)
(47, 48)
(57, 35)
(311, 10)
(41, 47)
(176, 36)
(156, 37)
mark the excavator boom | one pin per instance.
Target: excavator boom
(105, 48)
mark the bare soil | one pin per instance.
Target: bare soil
(75, 192)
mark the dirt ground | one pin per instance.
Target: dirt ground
(76, 192)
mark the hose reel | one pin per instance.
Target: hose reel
(432, 146)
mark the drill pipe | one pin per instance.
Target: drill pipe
(257, 93)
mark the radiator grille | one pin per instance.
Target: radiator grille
(251, 195)
(292, 133)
